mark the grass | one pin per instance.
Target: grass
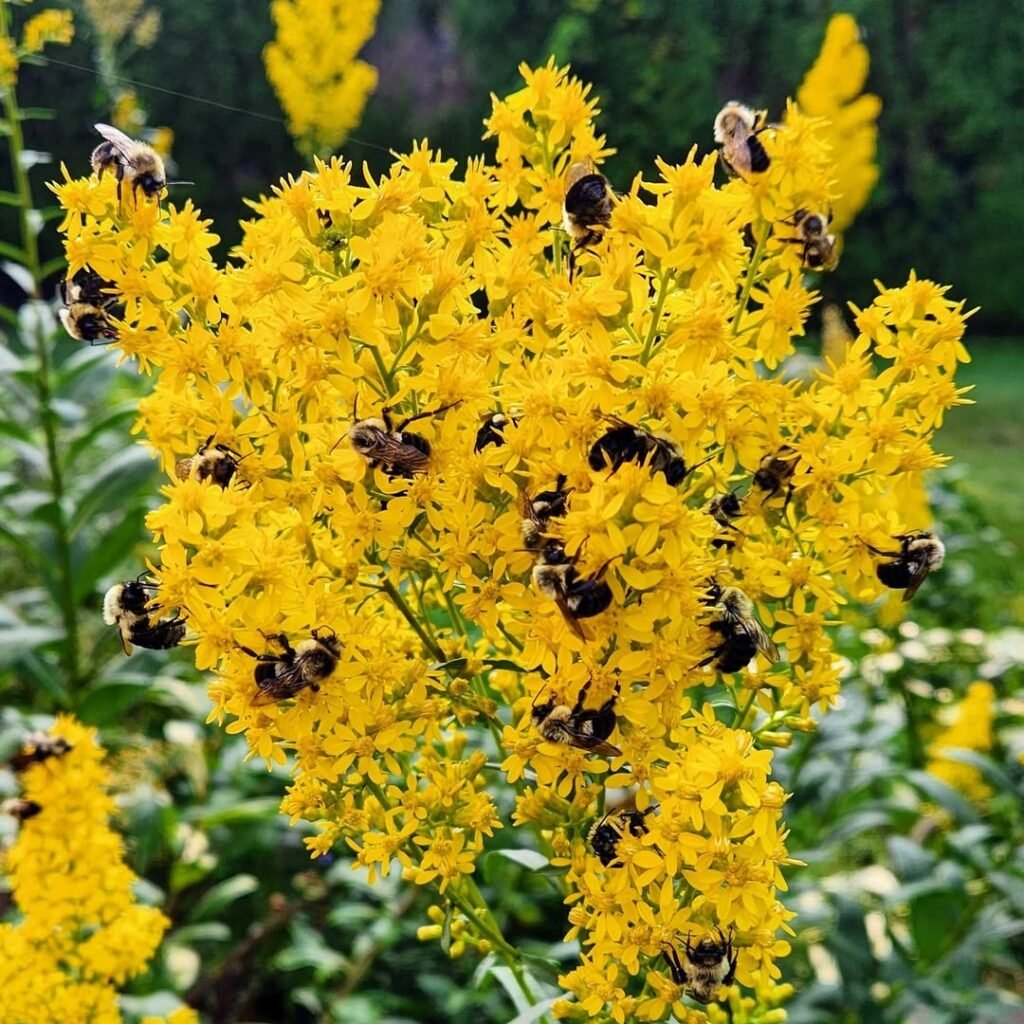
(987, 438)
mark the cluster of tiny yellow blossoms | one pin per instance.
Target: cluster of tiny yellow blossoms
(313, 67)
(970, 729)
(48, 26)
(447, 296)
(80, 934)
(833, 91)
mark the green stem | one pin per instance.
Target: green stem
(746, 710)
(748, 284)
(42, 382)
(407, 613)
(652, 331)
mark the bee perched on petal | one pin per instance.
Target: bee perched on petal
(736, 130)
(704, 967)
(285, 675)
(724, 508)
(776, 471)
(38, 747)
(399, 452)
(818, 248)
(492, 431)
(129, 606)
(604, 835)
(539, 510)
(742, 635)
(578, 597)
(89, 303)
(131, 161)
(216, 462)
(586, 209)
(576, 726)
(918, 555)
(624, 442)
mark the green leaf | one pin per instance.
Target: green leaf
(12, 252)
(214, 900)
(192, 934)
(17, 638)
(243, 810)
(984, 764)
(533, 1012)
(168, 692)
(120, 477)
(106, 703)
(36, 114)
(945, 796)
(933, 918)
(114, 421)
(9, 199)
(107, 551)
(529, 859)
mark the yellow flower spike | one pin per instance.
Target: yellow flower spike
(422, 304)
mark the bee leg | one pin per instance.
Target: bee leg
(581, 699)
(610, 702)
(429, 412)
(789, 496)
(571, 265)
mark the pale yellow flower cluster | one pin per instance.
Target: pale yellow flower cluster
(312, 65)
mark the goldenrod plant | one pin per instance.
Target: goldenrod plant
(365, 592)
(81, 932)
(315, 70)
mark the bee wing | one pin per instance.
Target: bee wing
(574, 623)
(764, 643)
(593, 745)
(918, 575)
(124, 630)
(117, 139)
(393, 453)
(283, 686)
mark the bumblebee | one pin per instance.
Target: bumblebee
(724, 508)
(578, 597)
(703, 968)
(540, 509)
(586, 209)
(742, 635)
(625, 442)
(127, 606)
(577, 727)
(38, 747)
(216, 462)
(88, 306)
(776, 471)
(736, 130)
(492, 431)
(919, 554)
(819, 251)
(133, 162)
(604, 835)
(399, 452)
(283, 676)
(20, 809)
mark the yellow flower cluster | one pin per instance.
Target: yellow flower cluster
(313, 68)
(48, 26)
(833, 90)
(81, 933)
(970, 729)
(118, 20)
(381, 576)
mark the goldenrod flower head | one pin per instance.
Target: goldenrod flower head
(81, 933)
(365, 334)
(969, 729)
(49, 26)
(832, 90)
(313, 68)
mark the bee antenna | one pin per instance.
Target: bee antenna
(539, 692)
(328, 629)
(166, 183)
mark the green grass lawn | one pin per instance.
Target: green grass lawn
(987, 438)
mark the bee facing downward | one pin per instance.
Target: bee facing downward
(777, 471)
(540, 509)
(703, 968)
(577, 727)
(919, 554)
(135, 162)
(819, 250)
(216, 462)
(578, 597)
(38, 747)
(736, 131)
(625, 442)
(604, 835)
(492, 431)
(87, 307)
(282, 676)
(127, 606)
(20, 810)
(399, 452)
(742, 635)
(586, 209)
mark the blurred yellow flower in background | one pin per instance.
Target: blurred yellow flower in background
(970, 728)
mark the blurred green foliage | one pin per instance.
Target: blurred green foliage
(948, 202)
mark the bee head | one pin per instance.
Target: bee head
(328, 639)
(729, 504)
(707, 952)
(363, 434)
(576, 171)
(735, 603)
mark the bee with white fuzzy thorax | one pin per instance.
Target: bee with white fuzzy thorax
(736, 130)
(703, 968)
(128, 606)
